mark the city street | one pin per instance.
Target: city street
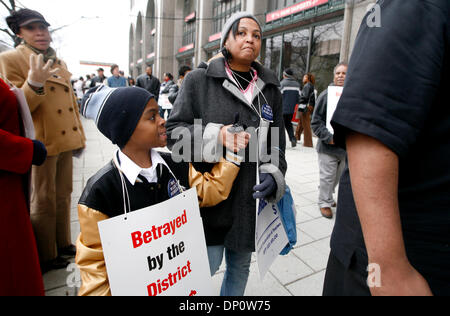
(353, 72)
(301, 273)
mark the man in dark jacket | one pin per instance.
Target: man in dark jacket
(290, 89)
(100, 79)
(331, 158)
(149, 82)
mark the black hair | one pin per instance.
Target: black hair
(168, 74)
(234, 31)
(235, 28)
(289, 72)
(183, 70)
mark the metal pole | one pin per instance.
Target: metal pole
(310, 43)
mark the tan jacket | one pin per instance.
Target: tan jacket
(212, 188)
(55, 113)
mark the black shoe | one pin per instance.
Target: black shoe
(70, 251)
(56, 264)
(294, 142)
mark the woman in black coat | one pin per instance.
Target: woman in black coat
(233, 88)
(307, 97)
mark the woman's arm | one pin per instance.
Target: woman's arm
(16, 153)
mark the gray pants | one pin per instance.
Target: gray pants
(331, 169)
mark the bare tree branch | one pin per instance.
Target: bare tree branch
(11, 8)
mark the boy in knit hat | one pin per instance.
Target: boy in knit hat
(130, 118)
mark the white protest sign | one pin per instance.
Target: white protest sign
(164, 102)
(334, 94)
(270, 237)
(158, 251)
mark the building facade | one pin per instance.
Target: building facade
(305, 35)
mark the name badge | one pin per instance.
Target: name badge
(267, 112)
(172, 188)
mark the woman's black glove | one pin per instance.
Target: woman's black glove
(267, 187)
(39, 153)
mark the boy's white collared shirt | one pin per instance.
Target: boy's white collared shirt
(131, 170)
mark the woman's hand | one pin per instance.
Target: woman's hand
(39, 72)
(266, 188)
(234, 142)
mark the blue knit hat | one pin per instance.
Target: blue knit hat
(115, 111)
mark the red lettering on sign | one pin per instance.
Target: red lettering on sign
(160, 286)
(139, 239)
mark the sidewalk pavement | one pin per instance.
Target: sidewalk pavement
(301, 273)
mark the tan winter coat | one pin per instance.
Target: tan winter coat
(55, 113)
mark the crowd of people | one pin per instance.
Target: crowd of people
(165, 92)
(389, 150)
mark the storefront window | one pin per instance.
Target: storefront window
(189, 61)
(189, 6)
(280, 4)
(295, 52)
(290, 50)
(222, 10)
(189, 27)
(325, 52)
(188, 33)
(271, 53)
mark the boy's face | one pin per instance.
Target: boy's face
(150, 131)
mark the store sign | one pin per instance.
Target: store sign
(296, 8)
(190, 17)
(186, 48)
(215, 37)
